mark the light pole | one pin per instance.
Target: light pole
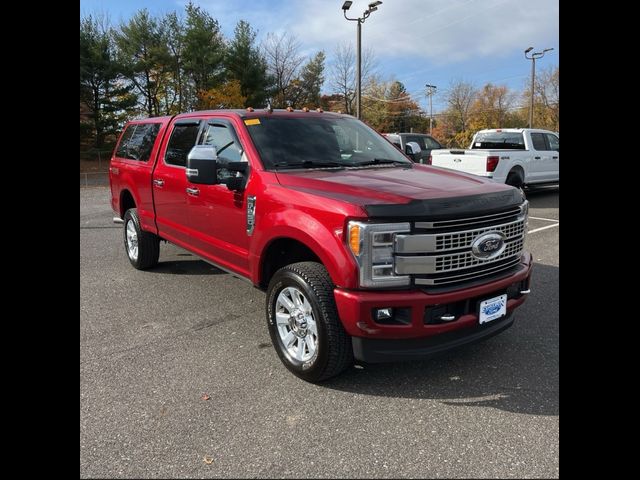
(431, 89)
(372, 8)
(533, 57)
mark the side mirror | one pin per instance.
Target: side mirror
(202, 165)
(236, 183)
(412, 149)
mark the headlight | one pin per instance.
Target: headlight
(524, 212)
(372, 245)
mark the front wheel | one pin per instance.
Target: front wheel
(303, 322)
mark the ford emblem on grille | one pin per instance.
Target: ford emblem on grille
(488, 245)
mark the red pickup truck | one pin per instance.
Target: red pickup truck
(363, 254)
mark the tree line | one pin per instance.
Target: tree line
(164, 65)
(153, 66)
(470, 108)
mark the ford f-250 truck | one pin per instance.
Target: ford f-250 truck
(362, 253)
(515, 156)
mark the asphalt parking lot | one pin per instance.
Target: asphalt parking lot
(152, 343)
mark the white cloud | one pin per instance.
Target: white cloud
(440, 31)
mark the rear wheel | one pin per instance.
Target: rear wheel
(303, 322)
(143, 248)
(515, 179)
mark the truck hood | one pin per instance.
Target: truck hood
(403, 192)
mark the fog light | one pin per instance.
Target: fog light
(383, 313)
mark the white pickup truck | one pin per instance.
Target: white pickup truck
(515, 156)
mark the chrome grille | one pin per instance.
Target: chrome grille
(465, 260)
(438, 257)
(453, 241)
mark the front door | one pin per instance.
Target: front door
(217, 215)
(424, 150)
(538, 159)
(170, 182)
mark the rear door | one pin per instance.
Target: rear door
(132, 164)
(170, 181)
(217, 215)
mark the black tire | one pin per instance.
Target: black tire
(148, 243)
(515, 179)
(334, 352)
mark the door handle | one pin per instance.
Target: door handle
(537, 158)
(158, 182)
(555, 158)
(193, 191)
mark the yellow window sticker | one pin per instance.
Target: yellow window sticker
(252, 121)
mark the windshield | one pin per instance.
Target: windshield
(321, 142)
(499, 140)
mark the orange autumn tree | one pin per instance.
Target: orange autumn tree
(227, 95)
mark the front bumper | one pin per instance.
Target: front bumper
(373, 350)
(418, 333)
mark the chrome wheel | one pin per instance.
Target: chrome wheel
(132, 240)
(296, 324)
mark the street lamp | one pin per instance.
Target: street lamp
(533, 57)
(372, 8)
(431, 89)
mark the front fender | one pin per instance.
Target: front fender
(324, 238)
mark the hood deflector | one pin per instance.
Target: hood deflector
(449, 208)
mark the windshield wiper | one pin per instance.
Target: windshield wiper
(381, 161)
(308, 164)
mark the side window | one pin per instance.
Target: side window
(141, 143)
(227, 147)
(538, 141)
(124, 140)
(182, 140)
(418, 140)
(431, 143)
(554, 142)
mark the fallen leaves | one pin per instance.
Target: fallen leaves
(205, 396)
(208, 460)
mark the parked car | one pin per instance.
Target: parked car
(424, 141)
(515, 156)
(363, 254)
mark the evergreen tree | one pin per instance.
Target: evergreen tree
(145, 58)
(102, 95)
(312, 79)
(245, 63)
(204, 49)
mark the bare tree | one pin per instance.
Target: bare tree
(492, 107)
(343, 73)
(283, 63)
(460, 96)
(548, 90)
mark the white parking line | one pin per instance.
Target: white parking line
(545, 219)
(544, 228)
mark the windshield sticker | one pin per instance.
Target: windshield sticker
(252, 121)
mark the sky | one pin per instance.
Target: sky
(417, 42)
